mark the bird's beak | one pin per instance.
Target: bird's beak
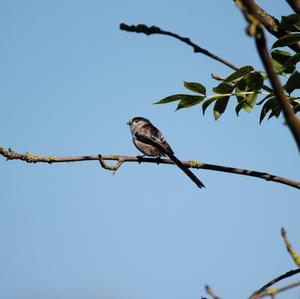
(129, 122)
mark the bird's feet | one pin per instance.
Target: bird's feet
(158, 160)
(140, 158)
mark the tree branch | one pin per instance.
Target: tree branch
(259, 292)
(272, 24)
(290, 248)
(197, 49)
(295, 4)
(32, 158)
(274, 291)
(211, 293)
(141, 28)
(248, 8)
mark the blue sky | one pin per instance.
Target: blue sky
(70, 80)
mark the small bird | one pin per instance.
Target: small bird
(150, 141)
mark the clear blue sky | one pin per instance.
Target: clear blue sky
(69, 81)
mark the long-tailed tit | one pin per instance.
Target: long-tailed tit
(150, 141)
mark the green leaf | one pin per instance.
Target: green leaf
(278, 67)
(293, 82)
(189, 101)
(186, 100)
(290, 65)
(217, 77)
(172, 98)
(239, 73)
(240, 87)
(207, 103)
(297, 108)
(271, 115)
(223, 88)
(247, 104)
(270, 95)
(267, 107)
(220, 106)
(287, 40)
(195, 87)
(290, 23)
(221, 101)
(250, 102)
(279, 58)
(254, 81)
(239, 106)
(276, 110)
(251, 82)
(295, 103)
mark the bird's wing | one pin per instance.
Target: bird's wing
(151, 135)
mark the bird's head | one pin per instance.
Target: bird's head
(137, 122)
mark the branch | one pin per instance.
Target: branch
(141, 28)
(290, 248)
(295, 4)
(197, 49)
(272, 24)
(211, 293)
(259, 292)
(274, 291)
(248, 8)
(32, 158)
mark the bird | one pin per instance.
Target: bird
(151, 142)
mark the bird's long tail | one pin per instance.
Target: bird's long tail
(186, 171)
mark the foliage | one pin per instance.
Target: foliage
(248, 85)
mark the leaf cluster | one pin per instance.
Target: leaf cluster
(248, 85)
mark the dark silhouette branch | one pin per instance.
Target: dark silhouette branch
(259, 292)
(255, 29)
(141, 28)
(32, 158)
(295, 5)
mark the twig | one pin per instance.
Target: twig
(295, 4)
(270, 22)
(112, 167)
(258, 293)
(197, 49)
(290, 248)
(32, 158)
(255, 29)
(274, 291)
(211, 293)
(272, 25)
(141, 28)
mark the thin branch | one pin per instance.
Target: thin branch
(141, 28)
(295, 4)
(211, 292)
(112, 167)
(258, 293)
(255, 29)
(272, 24)
(197, 49)
(290, 248)
(274, 291)
(32, 158)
